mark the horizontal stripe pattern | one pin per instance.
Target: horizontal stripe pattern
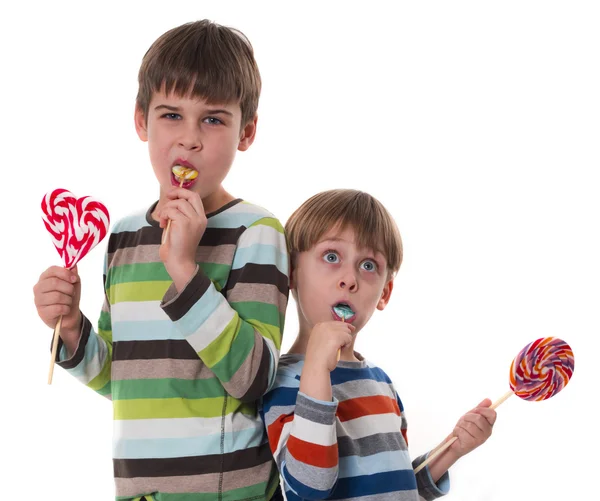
(352, 448)
(185, 369)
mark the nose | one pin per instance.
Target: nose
(190, 138)
(348, 282)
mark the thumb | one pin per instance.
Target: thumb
(486, 402)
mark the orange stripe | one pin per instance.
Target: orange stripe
(366, 406)
(275, 429)
(323, 456)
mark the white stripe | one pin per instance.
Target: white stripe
(368, 425)
(137, 310)
(249, 208)
(213, 327)
(314, 433)
(283, 438)
(128, 429)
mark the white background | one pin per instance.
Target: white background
(475, 123)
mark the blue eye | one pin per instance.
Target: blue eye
(368, 265)
(213, 121)
(331, 257)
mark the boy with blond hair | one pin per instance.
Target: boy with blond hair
(335, 421)
(190, 331)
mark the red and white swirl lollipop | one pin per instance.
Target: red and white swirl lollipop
(538, 372)
(76, 225)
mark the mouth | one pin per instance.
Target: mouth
(183, 174)
(343, 311)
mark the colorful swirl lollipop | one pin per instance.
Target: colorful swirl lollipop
(538, 372)
(542, 369)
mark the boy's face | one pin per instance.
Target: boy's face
(189, 132)
(336, 272)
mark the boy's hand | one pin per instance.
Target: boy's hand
(326, 338)
(188, 223)
(57, 293)
(473, 429)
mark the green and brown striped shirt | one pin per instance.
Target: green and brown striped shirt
(184, 371)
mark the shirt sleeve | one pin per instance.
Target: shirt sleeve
(303, 439)
(91, 362)
(238, 334)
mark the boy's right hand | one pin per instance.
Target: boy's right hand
(326, 339)
(57, 293)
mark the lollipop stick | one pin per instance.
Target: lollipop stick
(340, 350)
(54, 348)
(436, 452)
(164, 237)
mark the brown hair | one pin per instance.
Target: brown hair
(206, 60)
(374, 226)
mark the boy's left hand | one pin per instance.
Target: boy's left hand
(473, 429)
(188, 223)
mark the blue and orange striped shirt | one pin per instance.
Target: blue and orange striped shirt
(354, 447)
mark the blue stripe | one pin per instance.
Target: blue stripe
(368, 485)
(200, 311)
(186, 447)
(261, 254)
(300, 489)
(236, 220)
(90, 353)
(352, 466)
(342, 375)
(145, 330)
(279, 397)
(131, 223)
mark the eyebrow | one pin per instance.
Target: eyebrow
(217, 111)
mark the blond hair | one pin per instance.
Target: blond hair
(374, 226)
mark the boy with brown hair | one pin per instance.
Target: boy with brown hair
(335, 421)
(190, 331)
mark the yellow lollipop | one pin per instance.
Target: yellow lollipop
(182, 174)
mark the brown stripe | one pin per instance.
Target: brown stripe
(253, 273)
(178, 349)
(77, 357)
(196, 483)
(195, 465)
(194, 290)
(257, 370)
(138, 255)
(263, 293)
(160, 369)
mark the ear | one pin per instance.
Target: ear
(248, 134)
(385, 294)
(141, 124)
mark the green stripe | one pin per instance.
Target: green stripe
(254, 310)
(218, 273)
(228, 359)
(268, 331)
(138, 272)
(104, 324)
(129, 389)
(256, 491)
(105, 390)
(268, 221)
(103, 378)
(158, 408)
(136, 291)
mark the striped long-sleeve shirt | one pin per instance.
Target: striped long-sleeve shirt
(185, 371)
(353, 447)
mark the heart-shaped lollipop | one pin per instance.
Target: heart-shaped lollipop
(77, 225)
